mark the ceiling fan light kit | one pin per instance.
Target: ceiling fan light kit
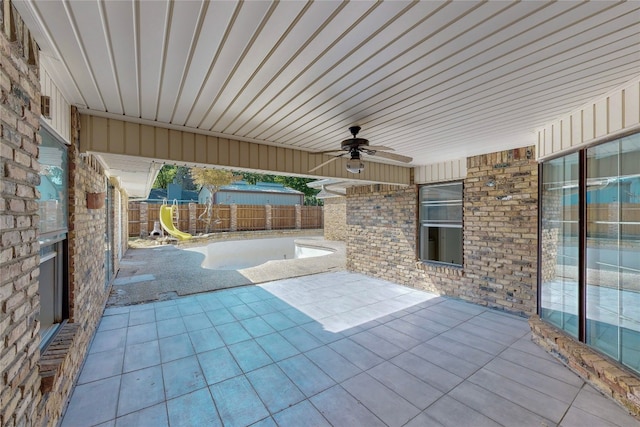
(354, 146)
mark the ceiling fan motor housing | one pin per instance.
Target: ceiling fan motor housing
(354, 143)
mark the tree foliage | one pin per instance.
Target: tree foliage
(296, 183)
(212, 180)
(169, 173)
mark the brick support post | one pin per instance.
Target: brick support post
(298, 217)
(144, 219)
(233, 221)
(192, 218)
(267, 213)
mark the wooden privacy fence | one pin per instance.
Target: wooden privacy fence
(192, 218)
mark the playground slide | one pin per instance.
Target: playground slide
(166, 220)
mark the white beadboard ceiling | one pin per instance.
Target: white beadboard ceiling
(433, 80)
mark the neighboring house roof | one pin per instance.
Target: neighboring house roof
(161, 193)
(261, 187)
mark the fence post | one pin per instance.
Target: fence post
(144, 220)
(233, 220)
(298, 217)
(267, 213)
(192, 218)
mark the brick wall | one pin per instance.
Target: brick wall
(88, 291)
(335, 218)
(19, 249)
(500, 234)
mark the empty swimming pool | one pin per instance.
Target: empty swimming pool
(240, 254)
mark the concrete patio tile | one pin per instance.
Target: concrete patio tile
(475, 341)
(593, 402)
(169, 327)
(536, 402)
(249, 355)
(109, 340)
(500, 323)
(276, 346)
(342, 409)
(543, 365)
(495, 407)
(449, 412)
(275, 389)
(308, 377)
(143, 355)
(296, 316)
(267, 422)
(445, 308)
(188, 308)
(439, 378)
(417, 332)
(334, 365)
(301, 339)
(356, 354)
(423, 322)
(278, 321)
(237, 402)
(153, 416)
(175, 347)
(220, 316)
(142, 316)
(321, 334)
(83, 410)
(115, 321)
(141, 333)
(140, 389)
(110, 311)
(167, 312)
(417, 392)
(182, 376)
(210, 302)
(486, 333)
(256, 327)
(232, 333)
(193, 409)
(206, 339)
(463, 306)
(434, 316)
(577, 417)
(382, 401)
(423, 420)
(301, 414)
(438, 356)
(194, 322)
(229, 300)
(461, 350)
(262, 307)
(98, 366)
(242, 311)
(395, 337)
(543, 383)
(381, 347)
(218, 365)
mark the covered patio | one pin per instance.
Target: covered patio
(339, 349)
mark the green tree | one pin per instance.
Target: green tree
(165, 176)
(296, 183)
(212, 180)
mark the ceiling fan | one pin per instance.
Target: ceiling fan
(354, 147)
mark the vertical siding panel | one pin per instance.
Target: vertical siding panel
(565, 133)
(148, 141)
(263, 157)
(576, 129)
(245, 154)
(175, 145)
(601, 118)
(588, 125)
(132, 139)
(115, 135)
(200, 148)
(188, 147)
(234, 153)
(162, 143)
(615, 111)
(632, 105)
(272, 158)
(219, 151)
(548, 140)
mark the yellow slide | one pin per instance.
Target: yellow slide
(166, 220)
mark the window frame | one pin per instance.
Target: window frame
(425, 224)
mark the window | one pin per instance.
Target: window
(53, 207)
(590, 245)
(441, 223)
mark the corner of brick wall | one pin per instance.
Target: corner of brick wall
(335, 218)
(500, 235)
(19, 249)
(606, 375)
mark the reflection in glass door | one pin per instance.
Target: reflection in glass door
(613, 249)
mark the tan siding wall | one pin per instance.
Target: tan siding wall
(614, 114)
(443, 171)
(60, 119)
(106, 135)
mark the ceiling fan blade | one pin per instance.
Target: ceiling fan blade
(393, 156)
(377, 148)
(327, 162)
